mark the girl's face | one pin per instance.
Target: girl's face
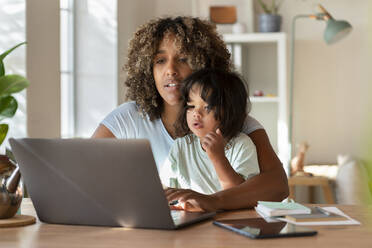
(170, 67)
(200, 118)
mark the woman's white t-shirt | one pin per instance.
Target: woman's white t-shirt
(127, 122)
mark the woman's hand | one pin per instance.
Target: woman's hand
(191, 201)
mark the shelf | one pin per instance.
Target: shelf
(263, 99)
(253, 37)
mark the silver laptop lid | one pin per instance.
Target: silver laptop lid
(109, 182)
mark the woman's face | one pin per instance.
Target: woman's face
(200, 118)
(170, 67)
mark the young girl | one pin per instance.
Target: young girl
(212, 154)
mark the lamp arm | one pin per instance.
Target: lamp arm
(291, 83)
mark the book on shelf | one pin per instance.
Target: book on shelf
(270, 209)
(317, 214)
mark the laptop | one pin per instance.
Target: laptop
(99, 182)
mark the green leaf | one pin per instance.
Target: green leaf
(264, 7)
(2, 68)
(4, 54)
(8, 107)
(10, 84)
(3, 131)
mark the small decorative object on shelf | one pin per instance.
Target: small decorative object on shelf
(270, 21)
(239, 28)
(258, 93)
(297, 163)
(223, 14)
(11, 190)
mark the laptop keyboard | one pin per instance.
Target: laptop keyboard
(176, 215)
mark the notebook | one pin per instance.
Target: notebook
(270, 209)
(317, 214)
(100, 182)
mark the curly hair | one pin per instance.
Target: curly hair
(198, 39)
(226, 95)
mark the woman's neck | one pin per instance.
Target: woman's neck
(169, 117)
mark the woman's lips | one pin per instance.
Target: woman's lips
(172, 83)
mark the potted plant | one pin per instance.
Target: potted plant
(10, 188)
(270, 20)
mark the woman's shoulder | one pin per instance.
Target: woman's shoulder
(251, 125)
(242, 139)
(126, 107)
(128, 110)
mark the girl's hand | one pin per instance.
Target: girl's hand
(191, 201)
(214, 144)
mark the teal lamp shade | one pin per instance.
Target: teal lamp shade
(336, 30)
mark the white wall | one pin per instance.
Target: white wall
(43, 68)
(331, 82)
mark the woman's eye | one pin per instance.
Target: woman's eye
(159, 61)
(183, 60)
(207, 108)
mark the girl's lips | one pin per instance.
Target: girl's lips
(197, 125)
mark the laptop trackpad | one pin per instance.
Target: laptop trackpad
(182, 218)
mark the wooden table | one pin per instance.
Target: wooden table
(199, 235)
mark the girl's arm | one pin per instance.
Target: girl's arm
(270, 185)
(214, 145)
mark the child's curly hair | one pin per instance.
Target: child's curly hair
(198, 39)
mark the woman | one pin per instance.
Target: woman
(162, 53)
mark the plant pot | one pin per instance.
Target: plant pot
(269, 23)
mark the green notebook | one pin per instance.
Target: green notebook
(270, 209)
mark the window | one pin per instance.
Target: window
(88, 64)
(12, 32)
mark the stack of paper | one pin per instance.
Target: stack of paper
(298, 214)
(333, 210)
(317, 214)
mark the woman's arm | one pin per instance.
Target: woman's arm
(102, 132)
(270, 185)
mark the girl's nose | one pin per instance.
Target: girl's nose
(196, 113)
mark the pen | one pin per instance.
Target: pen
(322, 211)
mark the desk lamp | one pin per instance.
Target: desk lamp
(335, 31)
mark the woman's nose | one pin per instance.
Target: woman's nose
(171, 69)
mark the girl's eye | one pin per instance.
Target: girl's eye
(183, 59)
(189, 108)
(207, 108)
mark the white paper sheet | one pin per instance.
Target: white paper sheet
(334, 210)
